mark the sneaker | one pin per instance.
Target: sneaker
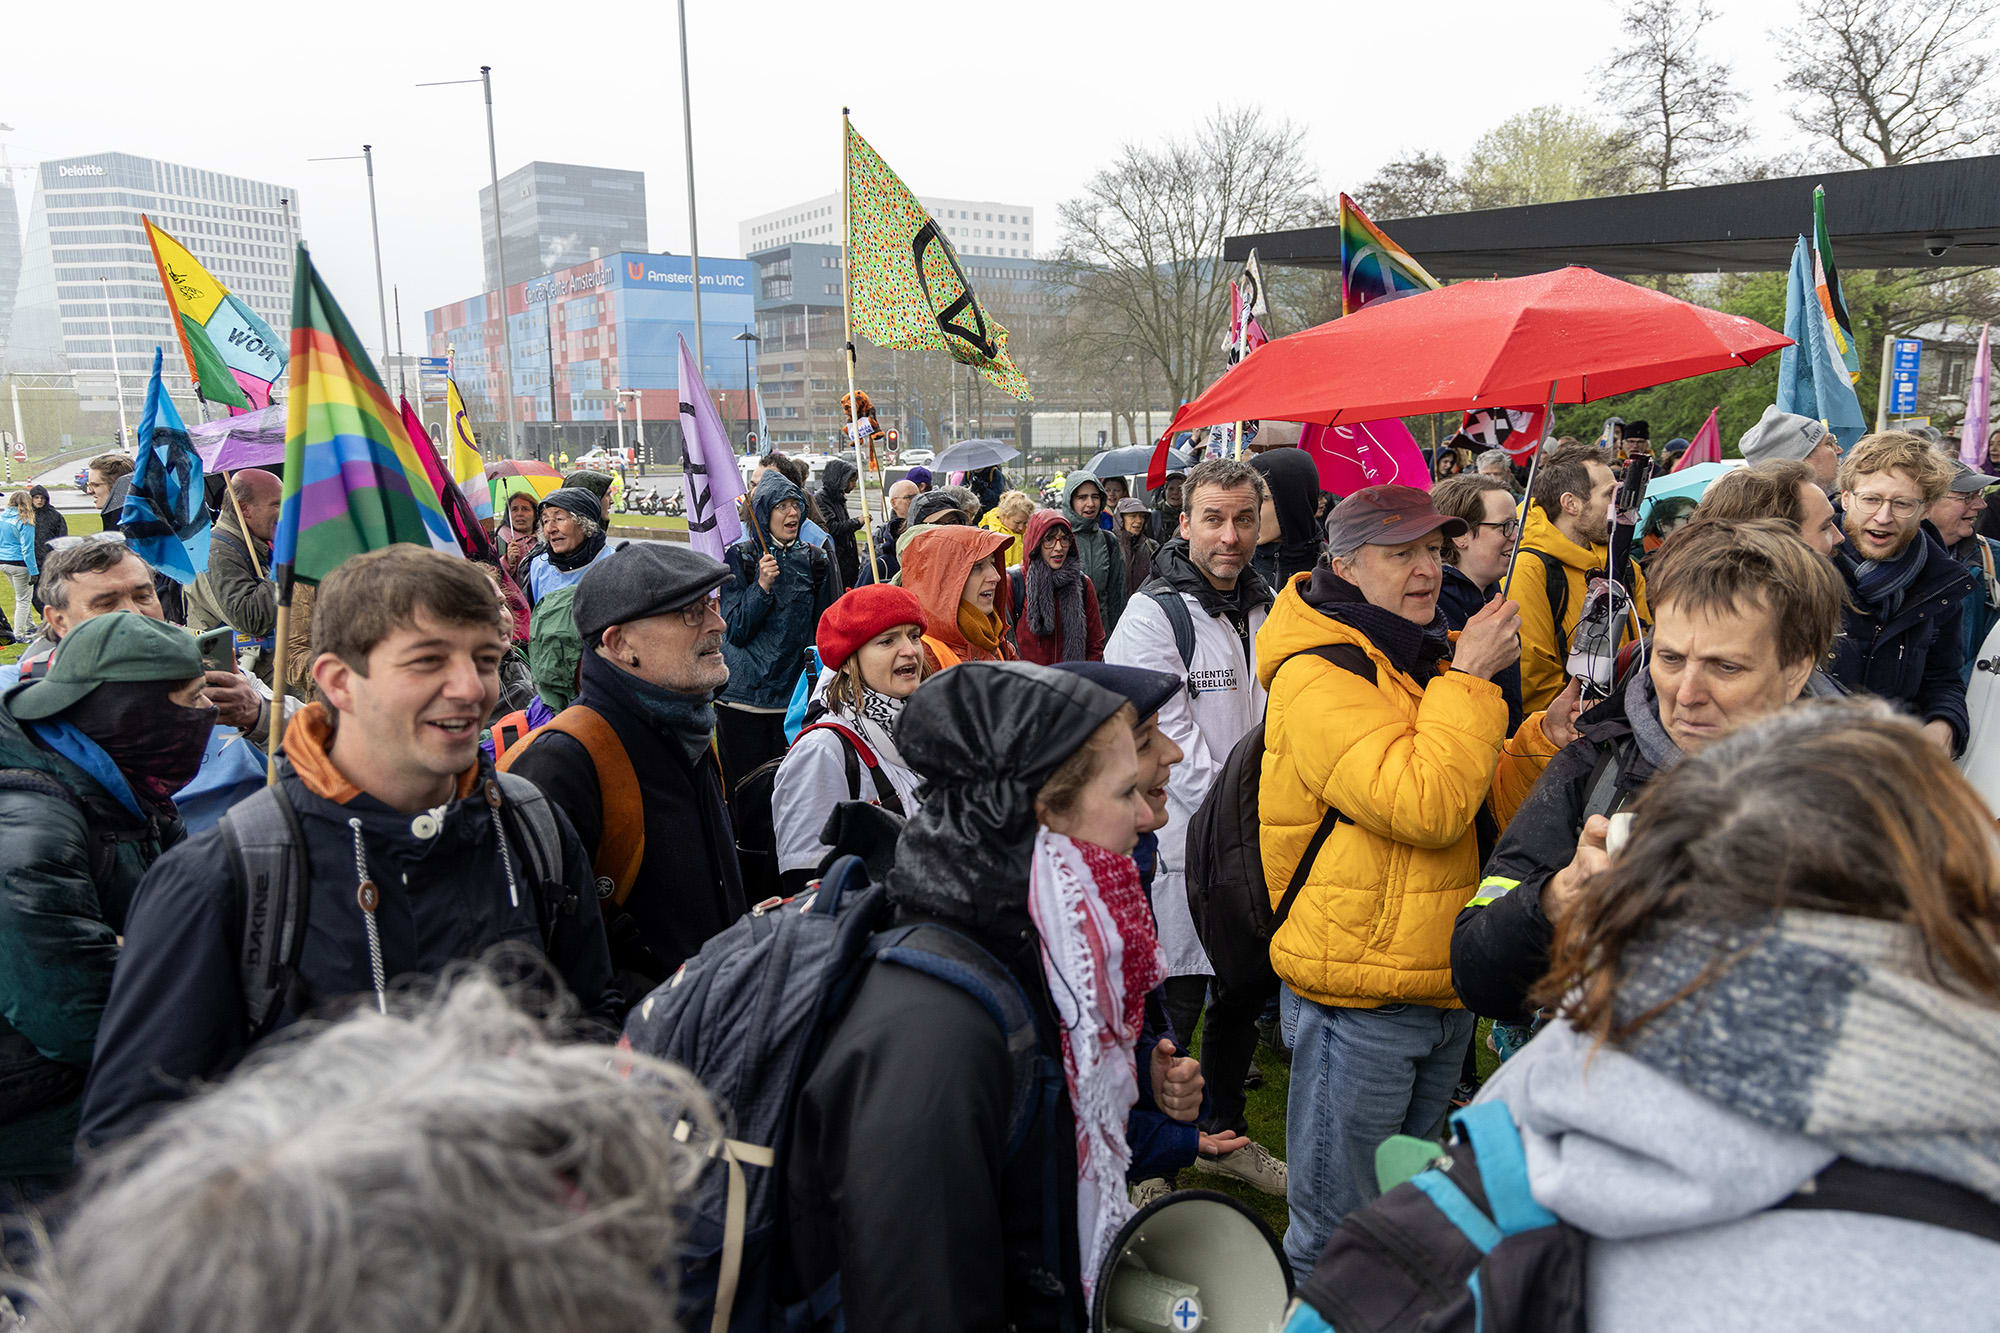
(1151, 1189)
(1255, 1166)
(1253, 1080)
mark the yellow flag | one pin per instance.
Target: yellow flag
(468, 469)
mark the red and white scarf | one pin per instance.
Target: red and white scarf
(1101, 955)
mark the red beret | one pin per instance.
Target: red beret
(860, 615)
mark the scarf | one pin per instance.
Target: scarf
(581, 556)
(1880, 584)
(981, 631)
(874, 721)
(156, 744)
(1642, 713)
(1054, 600)
(1415, 650)
(685, 719)
(1828, 1026)
(1101, 955)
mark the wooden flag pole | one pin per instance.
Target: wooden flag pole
(847, 331)
(249, 543)
(275, 744)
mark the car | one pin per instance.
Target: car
(918, 457)
(598, 458)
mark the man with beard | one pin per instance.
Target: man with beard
(1199, 619)
(1957, 518)
(636, 743)
(90, 756)
(1900, 633)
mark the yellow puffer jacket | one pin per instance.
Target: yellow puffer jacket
(1408, 766)
(990, 520)
(1544, 656)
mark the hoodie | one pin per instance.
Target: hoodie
(1048, 649)
(1097, 551)
(1293, 479)
(1544, 643)
(768, 632)
(936, 564)
(832, 499)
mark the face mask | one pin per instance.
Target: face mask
(156, 744)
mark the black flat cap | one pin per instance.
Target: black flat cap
(642, 579)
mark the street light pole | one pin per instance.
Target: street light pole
(746, 338)
(117, 378)
(549, 333)
(367, 156)
(485, 81)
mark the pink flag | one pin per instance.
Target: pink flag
(713, 483)
(1978, 405)
(1366, 453)
(1706, 446)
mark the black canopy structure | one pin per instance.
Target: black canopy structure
(1928, 215)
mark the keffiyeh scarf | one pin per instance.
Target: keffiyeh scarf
(1101, 955)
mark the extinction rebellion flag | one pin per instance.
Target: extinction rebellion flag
(905, 286)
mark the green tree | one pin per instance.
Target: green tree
(1544, 156)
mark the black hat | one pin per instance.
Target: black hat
(1638, 430)
(1147, 691)
(577, 501)
(642, 579)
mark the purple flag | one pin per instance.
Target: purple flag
(1978, 405)
(713, 483)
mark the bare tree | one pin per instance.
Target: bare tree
(1142, 247)
(1680, 114)
(1415, 185)
(1887, 82)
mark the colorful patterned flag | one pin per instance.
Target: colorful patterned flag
(165, 518)
(905, 286)
(1366, 453)
(1826, 281)
(468, 469)
(1812, 380)
(472, 538)
(1518, 430)
(353, 479)
(713, 483)
(232, 354)
(1373, 267)
(1978, 404)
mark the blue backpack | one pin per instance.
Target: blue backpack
(748, 1016)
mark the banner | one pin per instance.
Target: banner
(1705, 447)
(165, 518)
(1978, 405)
(1366, 453)
(233, 355)
(1812, 379)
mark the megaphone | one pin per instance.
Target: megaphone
(1193, 1261)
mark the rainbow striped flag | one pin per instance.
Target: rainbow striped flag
(1373, 267)
(353, 478)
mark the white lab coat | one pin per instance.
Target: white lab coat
(1224, 702)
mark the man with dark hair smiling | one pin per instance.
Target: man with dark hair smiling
(389, 833)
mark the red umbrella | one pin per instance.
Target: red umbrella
(1569, 336)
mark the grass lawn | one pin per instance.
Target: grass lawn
(1266, 1113)
(618, 520)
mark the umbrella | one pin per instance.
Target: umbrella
(1689, 481)
(255, 439)
(520, 476)
(1570, 336)
(1131, 460)
(971, 455)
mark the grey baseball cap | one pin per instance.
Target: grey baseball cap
(1964, 481)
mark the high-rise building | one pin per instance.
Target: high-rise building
(87, 260)
(556, 215)
(975, 227)
(10, 253)
(582, 334)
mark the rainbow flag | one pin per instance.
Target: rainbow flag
(1373, 267)
(353, 479)
(232, 354)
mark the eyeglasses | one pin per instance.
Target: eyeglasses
(1508, 527)
(695, 614)
(1900, 506)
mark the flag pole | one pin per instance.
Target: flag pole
(256, 565)
(283, 632)
(1528, 499)
(847, 330)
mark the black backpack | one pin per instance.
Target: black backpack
(1463, 1247)
(749, 1016)
(752, 801)
(1227, 896)
(269, 877)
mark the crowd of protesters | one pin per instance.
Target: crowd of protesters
(1657, 818)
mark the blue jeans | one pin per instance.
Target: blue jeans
(1359, 1076)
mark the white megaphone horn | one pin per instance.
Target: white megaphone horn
(1193, 1262)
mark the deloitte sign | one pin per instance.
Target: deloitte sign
(82, 169)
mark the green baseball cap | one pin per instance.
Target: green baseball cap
(123, 645)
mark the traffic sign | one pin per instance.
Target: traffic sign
(1905, 358)
(433, 365)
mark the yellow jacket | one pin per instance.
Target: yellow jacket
(1408, 766)
(1544, 656)
(990, 520)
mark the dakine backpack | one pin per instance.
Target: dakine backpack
(748, 1016)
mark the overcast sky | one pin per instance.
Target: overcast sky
(1018, 103)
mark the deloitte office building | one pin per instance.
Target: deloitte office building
(590, 330)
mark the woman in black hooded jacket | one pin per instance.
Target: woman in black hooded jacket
(1291, 479)
(899, 1178)
(834, 484)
